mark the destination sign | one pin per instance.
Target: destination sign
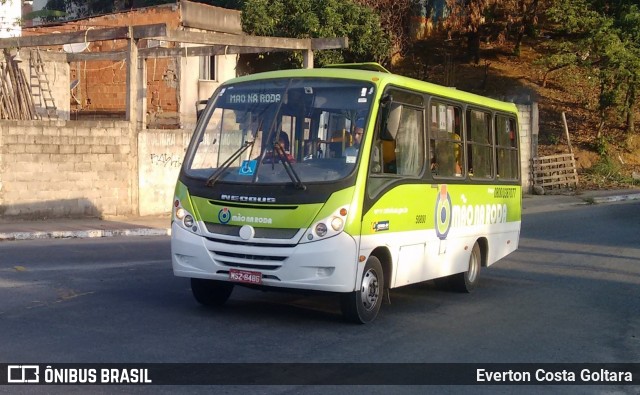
(252, 98)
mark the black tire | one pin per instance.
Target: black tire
(211, 293)
(362, 306)
(467, 281)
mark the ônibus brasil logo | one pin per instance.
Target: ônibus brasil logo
(443, 213)
(224, 215)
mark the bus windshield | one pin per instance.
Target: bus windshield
(280, 131)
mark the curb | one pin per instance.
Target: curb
(617, 198)
(83, 234)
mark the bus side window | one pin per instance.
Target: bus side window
(479, 144)
(506, 148)
(446, 142)
(409, 150)
(403, 155)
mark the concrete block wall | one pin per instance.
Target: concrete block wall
(159, 160)
(66, 169)
(528, 129)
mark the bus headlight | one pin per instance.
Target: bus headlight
(337, 223)
(326, 227)
(184, 218)
(321, 229)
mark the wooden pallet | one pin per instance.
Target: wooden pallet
(555, 171)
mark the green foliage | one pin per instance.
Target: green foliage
(315, 19)
(604, 35)
(601, 146)
(45, 14)
(606, 168)
(553, 139)
(607, 171)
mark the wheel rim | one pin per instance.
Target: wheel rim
(369, 291)
(474, 266)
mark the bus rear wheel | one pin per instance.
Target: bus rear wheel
(362, 305)
(211, 292)
(467, 281)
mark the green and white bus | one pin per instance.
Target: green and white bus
(345, 179)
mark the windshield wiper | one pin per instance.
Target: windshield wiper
(288, 167)
(225, 165)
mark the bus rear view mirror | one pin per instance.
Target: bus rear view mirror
(200, 105)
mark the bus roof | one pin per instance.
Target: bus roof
(381, 78)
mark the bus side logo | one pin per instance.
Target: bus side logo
(443, 213)
(224, 215)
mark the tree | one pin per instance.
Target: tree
(603, 35)
(316, 19)
(521, 17)
(395, 19)
(485, 20)
(467, 17)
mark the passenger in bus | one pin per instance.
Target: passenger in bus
(283, 140)
(457, 154)
(358, 131)
(446, 157)
(280, 150)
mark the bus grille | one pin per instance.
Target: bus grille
(249, 244)
(247, 266)
(260, 260)
(261, 233)
(248, 256)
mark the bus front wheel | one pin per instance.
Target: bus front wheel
(362, 305)
(210, 292)
(467, 281)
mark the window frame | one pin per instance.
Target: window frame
(515, 148)
(470, 144)
(210, 64)
(380, 181)
(461, 106)
(377, 143)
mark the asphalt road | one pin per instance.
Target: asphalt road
(569, 294)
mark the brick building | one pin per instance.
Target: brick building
(98, 88)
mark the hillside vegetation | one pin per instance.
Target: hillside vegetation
(596, 102)
(577, 57)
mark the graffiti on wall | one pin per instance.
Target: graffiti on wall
(166, 160)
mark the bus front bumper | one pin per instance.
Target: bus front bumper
(323, 265)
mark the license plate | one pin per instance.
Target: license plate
(245, 276)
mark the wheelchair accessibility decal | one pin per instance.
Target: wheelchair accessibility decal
(248, 167)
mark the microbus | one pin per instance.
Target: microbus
(345, 179)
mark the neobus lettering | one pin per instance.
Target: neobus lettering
(250, 199)
(479, 214)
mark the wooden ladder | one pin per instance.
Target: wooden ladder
(40, 89)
